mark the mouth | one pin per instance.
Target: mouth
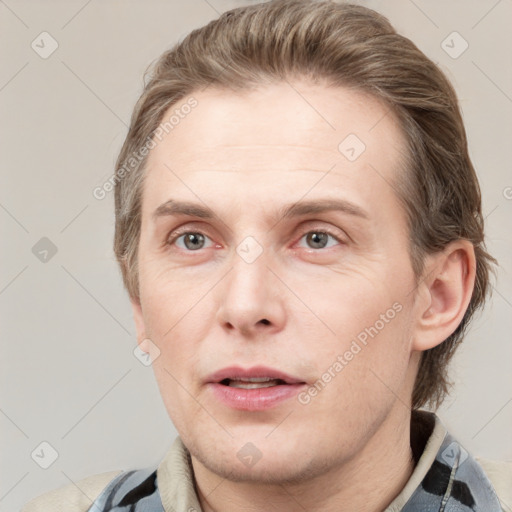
(252, 383)
(253, 389)
(249, 378)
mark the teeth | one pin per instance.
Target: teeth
(253, 383)
(255, 379)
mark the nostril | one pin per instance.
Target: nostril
(264, 321)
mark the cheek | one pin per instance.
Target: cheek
(352, 304)
(177, 399)
(371, 370)
(365, 350)
(169, 303)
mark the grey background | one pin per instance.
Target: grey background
(68, 373)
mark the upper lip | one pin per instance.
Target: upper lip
(237, 372)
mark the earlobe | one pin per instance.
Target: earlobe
(448, 288)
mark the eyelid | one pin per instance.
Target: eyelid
(324, 227)
(178, 232)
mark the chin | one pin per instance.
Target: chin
(264, 462)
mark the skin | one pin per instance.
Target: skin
(246, 155)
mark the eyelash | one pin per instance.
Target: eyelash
(180, 232)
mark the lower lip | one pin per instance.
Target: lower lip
(256, 399)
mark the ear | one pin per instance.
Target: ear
(444, 293)
(140, 326)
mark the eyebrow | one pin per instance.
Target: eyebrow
(175, 207)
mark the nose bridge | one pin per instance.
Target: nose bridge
(249, 298)
(249, 277)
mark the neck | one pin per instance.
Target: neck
(367, 482)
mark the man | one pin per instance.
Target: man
(299, 227)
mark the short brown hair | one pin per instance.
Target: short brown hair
(345, 45)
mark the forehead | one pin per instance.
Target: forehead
(291, 138)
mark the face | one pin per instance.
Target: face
(289, 261)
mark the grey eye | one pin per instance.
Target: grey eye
(317, 239)
(193, 241)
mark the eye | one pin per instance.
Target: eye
(318, 239)
(192, 240)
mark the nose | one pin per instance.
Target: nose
(251, 299)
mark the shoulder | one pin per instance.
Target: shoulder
(74, 497)
(500, 474)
